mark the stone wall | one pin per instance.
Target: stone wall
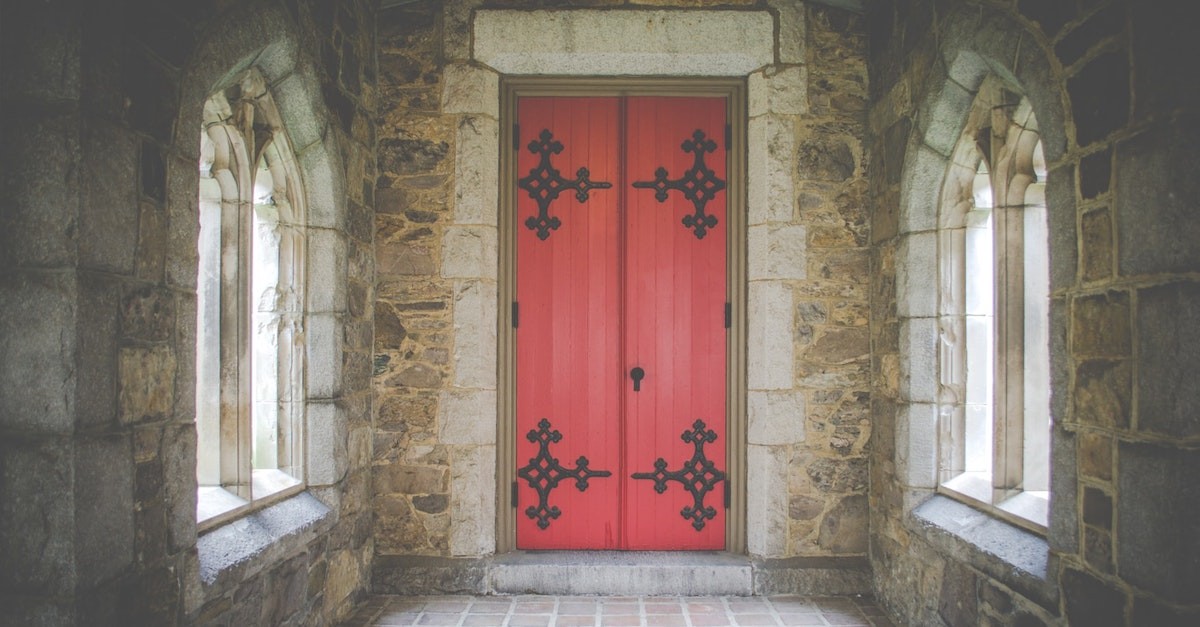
(1119, 138)
(435, 489)
(98, 271)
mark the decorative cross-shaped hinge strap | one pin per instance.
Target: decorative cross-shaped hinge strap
(699, 184)
(544, 184)
(699, 475)
(543, 473)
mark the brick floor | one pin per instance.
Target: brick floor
(590, 611)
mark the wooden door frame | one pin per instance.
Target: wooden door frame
(734, 90)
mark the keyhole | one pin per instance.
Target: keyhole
(637, 374)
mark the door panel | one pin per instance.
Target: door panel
(609, 279)
(568, 338)
(674, 318)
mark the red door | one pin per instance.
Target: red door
(621, 291)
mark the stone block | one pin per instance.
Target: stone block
(182, 220)
(37, 338)
(325, 190)
(1097, 508)
(917, 445)
(778, 91)
(1103, 393)
(1160, 39)
(825, 156)
(624, 43)
(178, 455)
(778, 251)
(41, 199)
(958, 603)
(326, 279)
(326, 434)
(921, 190)
(1100, 325)
(1097, 245)
(767, 504)
(103, 500)
(844, 526)
(840, 346)
(1154, 189)
(1168, 336)
(918, 360)
(770, 354)
(1095, 173)
(1091, 601)
(917, 275)
(469, 252)
(1158, 519)
(770, 146)
(298, 98)
(467, 417)
(1063, 532)
(470, 89)
(475, 334)
(409, 480)
(146, 384)
(1100, 97)
(793, 33)
(473, 501)
(97, 335)
(108, 197)
(44, 42)
(475, 171)
(944, 115)
(324, 345)
(775, 417)
(1095, 455)
(1060, 219)
(37, 521)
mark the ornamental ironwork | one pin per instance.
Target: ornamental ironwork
(544, 183)
(543, 473)
(699, 475)
(699, 184)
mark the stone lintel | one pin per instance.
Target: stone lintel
(617, 43)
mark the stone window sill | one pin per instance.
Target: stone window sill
(235, 550)
(1005, 552)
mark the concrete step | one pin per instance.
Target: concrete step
(621, 573)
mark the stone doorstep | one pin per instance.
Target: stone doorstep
(622, 573)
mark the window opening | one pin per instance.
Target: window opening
(994, 277)
(250, 295)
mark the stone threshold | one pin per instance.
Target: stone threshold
(621, 573)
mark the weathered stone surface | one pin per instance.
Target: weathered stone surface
(844, 527)
(638, 42)
(840, 345)
(1168, 355)
(1095, 172)
(767, 504)
(838, 475)
(470, 89)
(1099, 102)
(1158, 521)
(824, 157)
(40, 217)
(1155, 218)
(475, 171)
(958, 603)
(108, 211)
(37, 524)
(475, 334)
(400, 479)
(792, 31)
(775, 417)
(472, 500)
(37, 374)
(770, 180)
(431, 503)
(781, 92)
(778, 252)
(1100, 325)
(1097, 255)
(1095, 455)
(1091, 601)
(147, 383)
(1103, 393)
(801, 507)
(1097, 549)
(469, 252)
(770, 361)
(467, 417)
(1097, 508)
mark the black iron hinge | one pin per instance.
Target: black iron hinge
(516, 136)
(513, 498)
(728, 136)
(515, 314)
(728, 315)
(726, 492)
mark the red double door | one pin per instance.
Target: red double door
(621, 316)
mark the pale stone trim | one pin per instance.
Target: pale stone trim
(615, 43)
(767, 503)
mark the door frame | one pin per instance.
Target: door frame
(734, 91)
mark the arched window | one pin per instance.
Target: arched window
(250, 305)
(994, 362)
